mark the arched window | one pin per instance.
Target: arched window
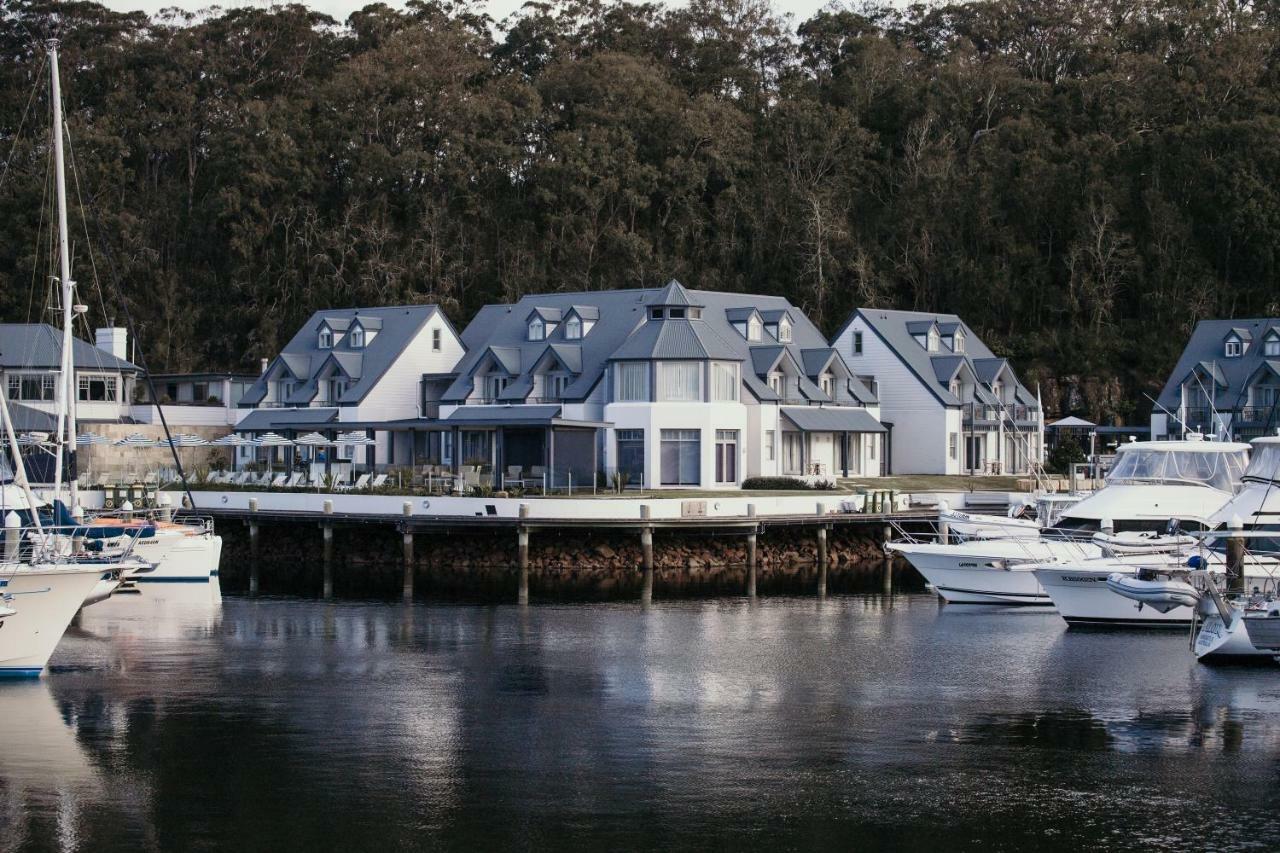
(753, 328)
(537, 330)
(573, 329)
(325, 340)
(784, 331)
(357, 338)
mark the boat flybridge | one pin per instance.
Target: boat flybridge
(1151, 484)
(1164, 592)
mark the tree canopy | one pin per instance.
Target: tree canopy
(1081, 180)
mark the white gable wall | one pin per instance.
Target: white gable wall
(921, 422)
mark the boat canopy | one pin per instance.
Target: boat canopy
(1264, 462)
(1218, 465)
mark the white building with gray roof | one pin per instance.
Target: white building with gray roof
(951, 405)
(661, 387)
(1226, 383)
(30, 366)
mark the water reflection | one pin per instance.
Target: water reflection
(283, 723)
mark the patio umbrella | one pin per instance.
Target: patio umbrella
(185, 439)
(136, 441)
(33, 438)
(357, 438)
(274, 439)
(92, 439)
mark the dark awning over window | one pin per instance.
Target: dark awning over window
(832, 419)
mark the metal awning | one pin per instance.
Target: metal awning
(274, 420)
(831, 419)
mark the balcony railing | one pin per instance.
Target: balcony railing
(1256, 415)
(978, 413)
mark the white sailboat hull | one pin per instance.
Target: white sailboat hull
(179, 557)
(46, 599)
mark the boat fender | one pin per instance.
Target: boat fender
(1195, 561)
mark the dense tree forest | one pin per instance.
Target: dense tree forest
(1081, 180)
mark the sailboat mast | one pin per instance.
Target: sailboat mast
(67, 424)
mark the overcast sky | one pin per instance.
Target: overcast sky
(340, 9)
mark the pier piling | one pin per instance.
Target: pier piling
(407, 529)
(822, 552)
(1235, 556)
(253, 547)
(327, 528)
(751, 555)
(646, 551)
(522, 544)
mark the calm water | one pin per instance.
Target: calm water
(790, 723)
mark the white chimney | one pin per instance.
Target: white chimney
(114, 340)
(262, 366)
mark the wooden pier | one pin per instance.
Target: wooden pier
(524, 527)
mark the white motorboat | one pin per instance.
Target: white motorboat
(1151, 484)
(46, 598)
(181, 552)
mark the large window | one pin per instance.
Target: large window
(99, 389)
(631, 455)
(33, 387)
(680, 381)
(681, 457)
(475, 447)
(631, 382)
(724, 380)
(495, 385)
(1233, 349)
(726, 456)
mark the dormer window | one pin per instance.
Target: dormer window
(573, 329)
(776, 383)
(325, 339)
(676, 313)
(1271, 347)
(754, 328)
(1233, 349)
(537, 329)
(784, 331)
(955, 388)
(958, 342)
(655, 313)
(828, 384)
(356, 338)
(695, 313)
(933, 341)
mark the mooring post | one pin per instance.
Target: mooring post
(646, 552)
(253, 546)
(822, 551)
(888, 560)
(407, 529)
(327, 528)
(1235, 555)
(751, 554)
(522, 544)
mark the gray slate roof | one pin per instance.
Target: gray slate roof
(1205, 350)
(895, 328)
(623, 331)
(303, 359)
(263, 420)
(833, 419)
(39, 346)
(27, 419)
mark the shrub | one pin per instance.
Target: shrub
(814, 483)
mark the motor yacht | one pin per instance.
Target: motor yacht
(1150, 484)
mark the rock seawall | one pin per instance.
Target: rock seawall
(569, 564)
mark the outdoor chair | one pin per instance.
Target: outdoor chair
(279, 480)
(360, 483)
(294, 480)
(378, 481)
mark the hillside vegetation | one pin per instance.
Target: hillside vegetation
(1080, 180)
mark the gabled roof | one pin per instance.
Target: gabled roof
(1070, 421)
(897, 329)
(1242, 333)
(945, 367)
(551, 315)
(568, 355)
(508, 357)
(623, 330)
(27, 419)
(39, 346)
(740, 314)
(264, 420)
(586, 312)
(816, 360)
(1268, 366)
(831, 419)
(1232, 375)
(988, 370)
(396, 328)
(775, 315)
(949, 327)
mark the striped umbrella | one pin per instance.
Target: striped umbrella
(186, 439)
(92, 439)
(358, 438)
(315, 439)
(273, 439)
(33, 438)
(136, 439)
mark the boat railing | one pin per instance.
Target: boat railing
(1019, 539)
(63, 544)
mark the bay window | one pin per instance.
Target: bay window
(724, 381)
(681, 457)
(631, 382)
(680, 381)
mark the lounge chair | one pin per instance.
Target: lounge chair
(359, 484)
(293, 480)
(278, 480)
(378, 481)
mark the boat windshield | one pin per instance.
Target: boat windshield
(1264, 464)
(1220, 469)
